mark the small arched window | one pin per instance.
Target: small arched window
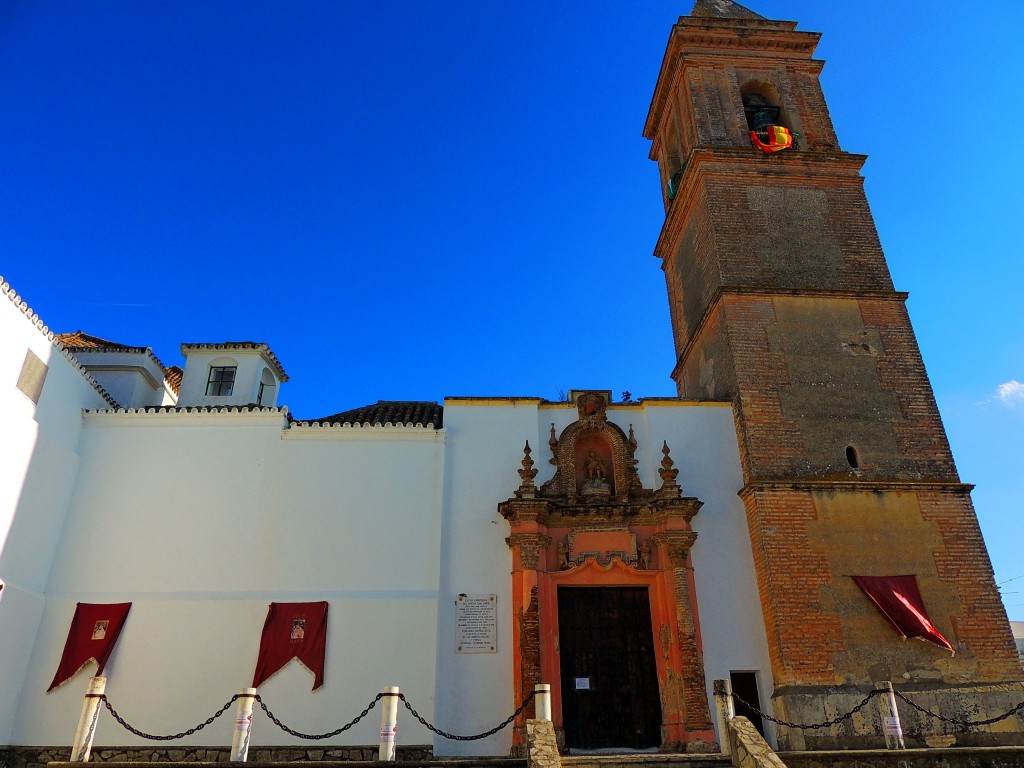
(265, 393)
(852, 458)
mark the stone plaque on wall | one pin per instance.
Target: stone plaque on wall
(476, 624)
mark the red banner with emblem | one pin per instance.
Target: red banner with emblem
(899, 600)
(293, 631)
(95, 628)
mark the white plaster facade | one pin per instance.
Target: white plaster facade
(202, 516)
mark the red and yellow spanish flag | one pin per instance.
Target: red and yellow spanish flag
(778, 136)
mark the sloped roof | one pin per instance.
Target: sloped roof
(417, 413)
(79, 341)
(173, 376)
(263, 349)
(722, 9)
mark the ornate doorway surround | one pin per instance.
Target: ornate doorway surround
(594, 525)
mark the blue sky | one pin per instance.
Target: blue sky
(414, 200)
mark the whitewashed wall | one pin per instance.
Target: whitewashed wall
(485, 448)
(39, 459)
(202, 519)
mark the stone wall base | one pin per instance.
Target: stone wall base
(970, 757)
(39, 757)
(864, 730)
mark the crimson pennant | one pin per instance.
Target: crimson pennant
(293, 631)
(94, 631)
(899, 600)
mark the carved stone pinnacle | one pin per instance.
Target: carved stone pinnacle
(527, 489)
(669, 486)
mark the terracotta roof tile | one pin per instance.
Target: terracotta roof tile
(173, 376)
(79, 340)
(398, 412)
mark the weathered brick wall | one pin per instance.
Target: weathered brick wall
(782, 303)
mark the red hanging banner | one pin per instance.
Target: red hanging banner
(899, 600)
(293, 631)
(93, 634)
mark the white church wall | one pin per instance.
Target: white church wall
(702, 439)
(38, 463)
(202, 519)
(485, 448)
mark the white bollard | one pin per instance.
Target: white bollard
(542, 702)
(87, 722)
(890, 716)
(725, 709)
(243, 725)
(388, 724)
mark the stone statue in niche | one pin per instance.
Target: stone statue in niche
(596, 483)
(563, 556)
(643, 552)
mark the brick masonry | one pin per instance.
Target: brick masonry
(782, 303)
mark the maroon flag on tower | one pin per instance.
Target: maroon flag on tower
(93, 634)
(899, 600)
(293, 631)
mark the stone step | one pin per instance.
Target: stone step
(646, 760)
(483, 762)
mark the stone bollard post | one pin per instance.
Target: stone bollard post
(243, 725)
(542, 703)
(725, 711)
(890, 716)
(388, 724)
(87, 722)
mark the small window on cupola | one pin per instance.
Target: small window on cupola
(221, 381)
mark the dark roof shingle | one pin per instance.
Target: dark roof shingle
(397, 412)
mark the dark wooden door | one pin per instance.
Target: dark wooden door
(609, 678)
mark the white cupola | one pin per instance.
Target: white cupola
(232, 373)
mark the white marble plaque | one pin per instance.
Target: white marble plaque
(476, 624)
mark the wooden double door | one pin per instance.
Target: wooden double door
(609, 677)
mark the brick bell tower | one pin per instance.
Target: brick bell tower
(782, 303)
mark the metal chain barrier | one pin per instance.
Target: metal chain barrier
(813, 726)
(318, 736)
(957, 721)
(152, 737)
(456, 737)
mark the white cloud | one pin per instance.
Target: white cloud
(1011, 393)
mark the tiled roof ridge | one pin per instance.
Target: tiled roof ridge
(171, 409)
(107, 346)
(26, 310)
(723, 9)
(264, 348)
(173, 375)
(385, 413)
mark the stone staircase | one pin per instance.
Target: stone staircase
(964, 757)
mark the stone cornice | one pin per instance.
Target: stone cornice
(853, 486)
(766, 40)
(750, 165)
